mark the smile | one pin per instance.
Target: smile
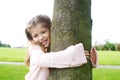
(44, 42)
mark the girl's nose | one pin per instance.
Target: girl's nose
(41, 37)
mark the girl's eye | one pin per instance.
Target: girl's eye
(35, 35)
(43, 32)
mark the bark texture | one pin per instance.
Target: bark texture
(71, 24)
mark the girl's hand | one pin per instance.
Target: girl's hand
(94, 57)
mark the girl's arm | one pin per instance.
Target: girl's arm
(71, 57)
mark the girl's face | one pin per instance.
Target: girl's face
(41, 34)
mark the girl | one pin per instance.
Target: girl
(38, 35)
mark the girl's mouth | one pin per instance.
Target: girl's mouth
(44, 42)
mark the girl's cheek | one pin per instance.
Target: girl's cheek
(44, 35)
(35, 39)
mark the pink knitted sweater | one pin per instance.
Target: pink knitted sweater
(72, 56)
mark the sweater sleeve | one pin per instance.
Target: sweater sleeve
(72, 56)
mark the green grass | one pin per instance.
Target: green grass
(13, 72)
(106, 74)
(18, 72)
(109, 57)
(12, 54)
(18, 55)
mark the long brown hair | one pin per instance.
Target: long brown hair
(32, 23)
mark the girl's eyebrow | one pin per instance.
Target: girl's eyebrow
(34, 33)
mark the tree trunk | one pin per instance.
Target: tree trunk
(71, 24)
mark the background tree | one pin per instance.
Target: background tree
(0, 43)
(71, 24)
(109, 46)
(4, 45)
(117, 46)
(99, 47)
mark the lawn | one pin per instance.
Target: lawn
(18, 55)
(13, 72)
(18, 72)
(109, 57)
(12, 54)
(106, 74)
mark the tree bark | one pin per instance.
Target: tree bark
(71, 24)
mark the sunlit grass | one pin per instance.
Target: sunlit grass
(12, 54)
(109, 57)
(18, 72)
(106, 74)
(13, 72)
(18, 55)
